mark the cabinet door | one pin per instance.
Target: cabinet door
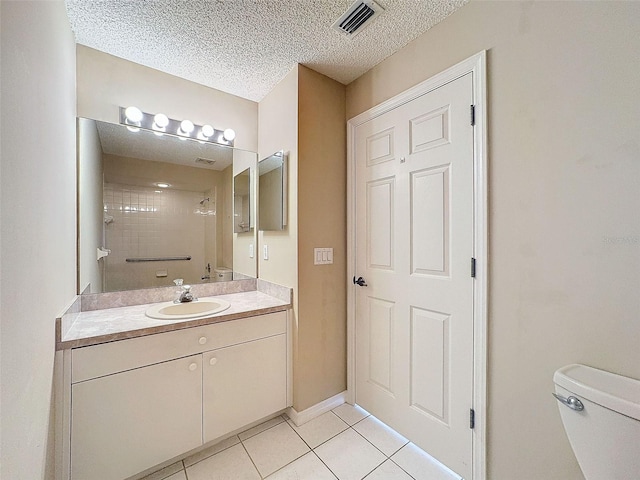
(125, 423)
(243, 383)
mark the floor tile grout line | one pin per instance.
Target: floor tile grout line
(376, 418)
(186, 475)
(371, 443)
(374, 469)
(295, 459)
(324, 441)
(251, 459)
(245, 448)
(322, 461)
(399, 466)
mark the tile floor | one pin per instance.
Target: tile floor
(344, 444)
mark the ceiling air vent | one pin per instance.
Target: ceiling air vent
(360, 14)
(205, 161)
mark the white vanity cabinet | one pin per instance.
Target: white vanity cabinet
(137, 403)
(124, 423)
(243, 383)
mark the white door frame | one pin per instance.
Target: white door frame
(477, 66)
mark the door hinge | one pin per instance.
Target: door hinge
(473, 267)
(473, 115)
(472, 418)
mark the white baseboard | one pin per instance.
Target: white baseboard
(316, 410)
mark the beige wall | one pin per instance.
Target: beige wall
(106, 83)
(37, 231)
(564, 229)
(304, 116)
(321, 365)
(90, 207)
(278, 130)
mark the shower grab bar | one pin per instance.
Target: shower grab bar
(157, 259)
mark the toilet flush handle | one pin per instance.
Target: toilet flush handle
(572, 402)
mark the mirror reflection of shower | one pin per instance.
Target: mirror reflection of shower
(206, 207)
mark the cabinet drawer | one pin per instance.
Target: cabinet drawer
(107, 358)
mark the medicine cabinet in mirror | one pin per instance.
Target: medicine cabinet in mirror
(153, 208)
(272, 190)
(242, 217)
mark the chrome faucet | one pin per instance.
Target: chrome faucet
(185, 293)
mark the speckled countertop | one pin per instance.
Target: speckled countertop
(107, 325)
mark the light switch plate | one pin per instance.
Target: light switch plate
(265, 252)
(322, 256)
(251, 250)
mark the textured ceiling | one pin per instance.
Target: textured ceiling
(245, 47)
(117, 140)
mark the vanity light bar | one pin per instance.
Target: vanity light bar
(135, 119)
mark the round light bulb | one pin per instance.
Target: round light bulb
(207, 131)
(161, 120)
(229, 134)
(133, 114)
(187, 126)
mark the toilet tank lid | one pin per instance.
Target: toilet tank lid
(612, 391)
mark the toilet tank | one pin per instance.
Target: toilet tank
(605, 435)
(223, 274)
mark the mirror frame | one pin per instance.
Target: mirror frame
(278, 212)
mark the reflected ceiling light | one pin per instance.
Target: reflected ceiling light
(207, 131)
(133, 114)
(160, 124)
(162, 185)
(229, 134)
(161, 120)
(133, 117)
(186, 127)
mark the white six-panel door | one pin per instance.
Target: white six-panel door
(413, 245)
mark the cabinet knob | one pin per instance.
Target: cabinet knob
(193, 366)
(202, 340)
(213, 361)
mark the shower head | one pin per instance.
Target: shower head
(204, 200)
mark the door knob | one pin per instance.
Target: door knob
(360, 281)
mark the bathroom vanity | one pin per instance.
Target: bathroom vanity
(138, 392)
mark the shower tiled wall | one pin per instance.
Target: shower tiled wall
(153, 223)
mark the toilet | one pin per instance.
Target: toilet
(223, 274)
(601, 415)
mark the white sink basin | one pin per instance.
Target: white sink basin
(178, 311)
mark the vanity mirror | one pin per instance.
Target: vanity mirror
(272, 189)
(153, 208)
